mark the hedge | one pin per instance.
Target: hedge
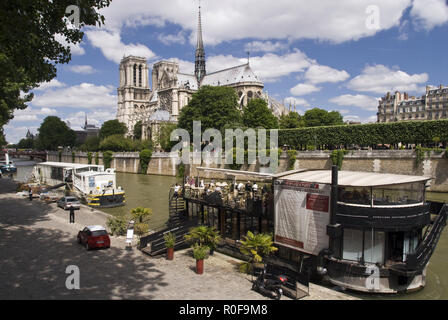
(366, 134)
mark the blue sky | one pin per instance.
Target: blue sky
(336, 55)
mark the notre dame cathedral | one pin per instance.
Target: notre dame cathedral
(172, 89)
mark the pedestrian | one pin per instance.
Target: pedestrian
(176, 190)
(30, 194)
(72, 214)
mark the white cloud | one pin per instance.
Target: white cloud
(54, 83)
(96, 117)
(84, 95)
(265, 46)
(169, 39)
(428, 14)
(269, 67)
(83, 69)
(359, 100)
(304, 88)
(15, 133)
(325, 20)
(75, 49)
(320, 74)
(381, 79)
(114, 49)
(356, 118)
(296, 102)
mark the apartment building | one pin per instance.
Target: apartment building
(400, 107)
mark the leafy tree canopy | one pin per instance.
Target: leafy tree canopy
(138, 130)
(213, 106)
(29, 46)
(257, 114)
(164, 136)
(53, 133)
(112, 127)
(291, 120)
(319, 117)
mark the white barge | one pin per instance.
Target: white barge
(95, 186)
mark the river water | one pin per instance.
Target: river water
(152, 191)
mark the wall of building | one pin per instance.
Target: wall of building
(434, 165)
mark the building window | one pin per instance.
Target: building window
(140, 75)
(135, 74)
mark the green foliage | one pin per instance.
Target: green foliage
(337, 157)
(292, 156)
(91, 144)
(141, 214)
(318, 117)
(118, 143)
(200, 252)
(112, 127)
(256, 247)
(141, 228)
(145, 158)
(291, 120)
(27, 143)
(89, 158)
(180, 170)
(367, 134)
(107, 158)
(31, 46)
(204, 236)
(60, 155)
(257, 114)
(170, 239)
(164, 136)
(215, 107)
(138, 130)
(53, 132)
(73, 156)
(97, 158)
(117, 225)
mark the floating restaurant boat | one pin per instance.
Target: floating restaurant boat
(364, 231)
(95, 186)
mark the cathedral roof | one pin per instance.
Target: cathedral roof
(231, 76)
(161, 115)
(187, 80)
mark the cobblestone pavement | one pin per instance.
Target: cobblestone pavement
(37, 243)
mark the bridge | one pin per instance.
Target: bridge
(31, 154)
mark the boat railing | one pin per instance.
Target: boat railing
(417, 260)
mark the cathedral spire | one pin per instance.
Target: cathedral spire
(199, 69)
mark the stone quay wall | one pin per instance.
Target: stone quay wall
(434, 165)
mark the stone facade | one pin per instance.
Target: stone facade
(400, 107)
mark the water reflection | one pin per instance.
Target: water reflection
(147, 191)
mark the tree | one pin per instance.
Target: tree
(164, 136)
(318, 117)
(112, 127)
(26, 143)
(31, 37)
(53, 133)
(138, 130)
(257, 114)
(256, 247)
(291, 120)
(91, 144)
(213, 106)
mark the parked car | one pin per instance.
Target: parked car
(66, 202)
(94, 237)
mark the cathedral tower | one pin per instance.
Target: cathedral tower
(133, 92)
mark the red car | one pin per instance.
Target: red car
(94, 237)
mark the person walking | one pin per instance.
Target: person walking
(72, 214)
(30, 194)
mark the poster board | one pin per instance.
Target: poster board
(302, 213)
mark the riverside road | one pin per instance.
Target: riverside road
(37, 244)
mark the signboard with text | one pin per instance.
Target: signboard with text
(302, 213)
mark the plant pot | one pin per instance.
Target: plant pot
(170, 254)
(200, 266)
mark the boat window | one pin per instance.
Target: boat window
(356, 195)
(352, 245)
(401, 194)
(374, 246)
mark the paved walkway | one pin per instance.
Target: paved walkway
(37, 243)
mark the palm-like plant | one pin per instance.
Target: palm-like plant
(139, 214)
(256, 247)
(204, 236)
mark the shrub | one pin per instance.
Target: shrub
(141, 228)
(141, 214)
(256, 247)
(170, 239)
(89, 157)
(200, 252)
(97, 158)
(73, 156)
(117, 225)
(107, 158)
(145, 158)
(292, 156)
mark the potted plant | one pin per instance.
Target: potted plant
(205, 236)
(170, 241)
(200, 253)
(256, 247)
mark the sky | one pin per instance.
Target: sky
(336, 55)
